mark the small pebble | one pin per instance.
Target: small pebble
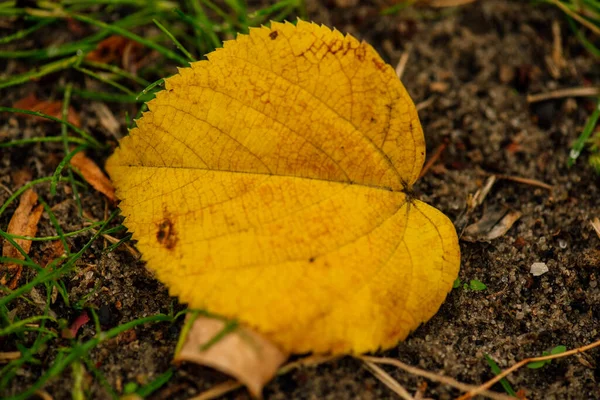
(538, 268)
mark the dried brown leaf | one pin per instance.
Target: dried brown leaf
(52, 108)
(93, 175)
(243, 353)
(23, 223)
(492, 225)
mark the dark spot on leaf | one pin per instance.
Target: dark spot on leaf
(166, 234)
(273, 35)
(380, 65)
(311, 260)
(361, 52)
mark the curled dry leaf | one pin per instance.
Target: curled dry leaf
(93, 175)
(272, 183)
(242, 353)
(23, 223)
(492, 225)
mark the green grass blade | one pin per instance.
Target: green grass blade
(496, 370)
(585, 135)
(93, 142)
(174, 40)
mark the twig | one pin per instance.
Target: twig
(42, 394)
(434, 377)
(557, 49)
(403, 61)
(306, 362)
(387, 380)
(584, 91)
(596, 225)
(527, 181)
(9, 356)
(434, 157)
(218, 390)
(425, 103)
(488, 384)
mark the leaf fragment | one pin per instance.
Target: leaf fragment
(48, 107)
(492, 225)
(22, 223)
(93, 175)
(248, 356)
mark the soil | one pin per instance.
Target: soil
(470, 69)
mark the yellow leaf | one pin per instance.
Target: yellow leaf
(272, 184)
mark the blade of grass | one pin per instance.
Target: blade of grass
(203, 24)
(112, 83)
(112, 97)
(590, 47)
(64, 163)
(49, 139)
(56, 237)
(24, 32)
(125, 33)
(117, 71)
(585, 135)
(174, 40)
(496, 370)
(156, 384)
(39, 72)
(93, 142)
(64, 132)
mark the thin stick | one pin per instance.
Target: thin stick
(403, 61)
(584, 91)
(435, 377)
(9, 356)
(488, 384)
(449, 3)
(218, 390)
(425, 103)
(596, 225)
(527, 181)
(388, 381)
(435, 156)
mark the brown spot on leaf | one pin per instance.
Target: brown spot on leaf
(380, 65)
(273, 35)
(166, 235)
(361, 52)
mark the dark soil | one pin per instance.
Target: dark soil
(474, 66)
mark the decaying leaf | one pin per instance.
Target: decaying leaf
(52, 108)
(272, 184)
(23, 223)
(117, 48)
(492, 225)
(248, 356)
(93, 175)
(88, 168)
